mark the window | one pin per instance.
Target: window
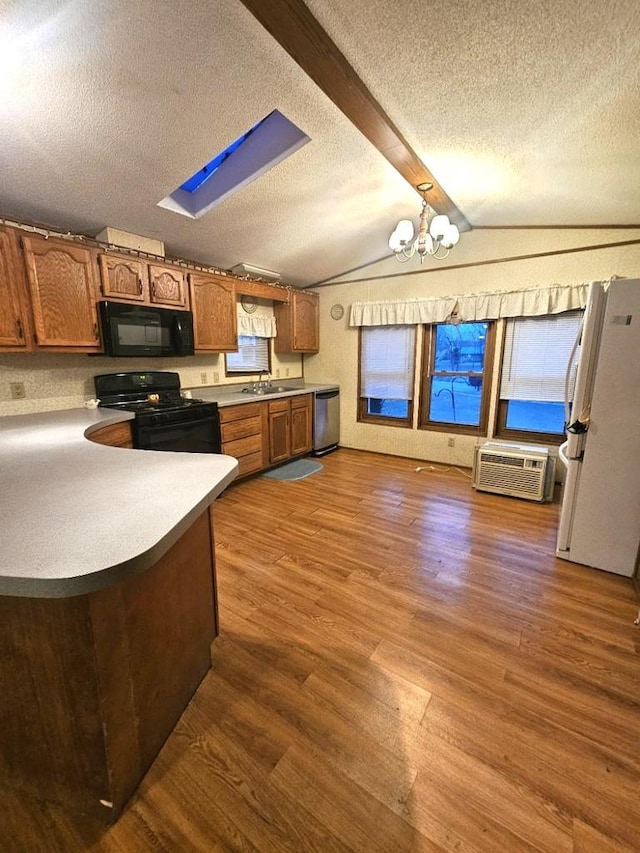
(387, 358)
(253, 356)
(534, 362)
(456, 377)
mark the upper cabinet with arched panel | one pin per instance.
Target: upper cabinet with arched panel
(133, 279)
(63, 290)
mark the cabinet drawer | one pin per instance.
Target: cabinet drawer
(242, 428)
(243, 446)
(280, 405)
(301, 402)
(249, 463)
(234, 413)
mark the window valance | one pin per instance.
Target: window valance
(530, 302)
(256, 326)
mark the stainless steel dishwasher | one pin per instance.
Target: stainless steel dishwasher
(326, 421)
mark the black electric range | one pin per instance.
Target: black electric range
(164, 419)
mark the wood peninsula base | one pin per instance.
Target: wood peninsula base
(91, 686)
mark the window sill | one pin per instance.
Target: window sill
(382, 421)
(525, 437)
(457, 429)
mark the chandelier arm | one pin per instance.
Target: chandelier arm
(441, 257)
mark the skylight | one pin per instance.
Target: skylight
(202, 175)
(260, 148)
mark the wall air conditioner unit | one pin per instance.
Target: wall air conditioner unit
(519, 470)
(246, 270)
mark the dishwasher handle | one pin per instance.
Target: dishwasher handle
(326, 395)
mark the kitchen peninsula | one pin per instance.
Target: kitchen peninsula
(107, 604)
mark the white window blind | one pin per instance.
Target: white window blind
(387, 362)
(536, 354)
(252, 355)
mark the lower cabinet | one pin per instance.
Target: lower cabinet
(98, 681)
(289, 427)
(243, 433)
(258, 435)
(263, 434)
(279, 430)
(115, 435)
(301, 424)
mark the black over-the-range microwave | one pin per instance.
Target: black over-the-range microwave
(132, 330)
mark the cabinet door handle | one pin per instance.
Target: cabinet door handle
(140, 286)
(153, 289)
(95, 332)
(19, 330)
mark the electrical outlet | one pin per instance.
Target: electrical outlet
(17, 390)
(203, 378)
(451, 442)
(277, 373)
(286, 373)
(216, 378)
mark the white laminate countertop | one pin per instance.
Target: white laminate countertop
(232, 395)
(78, 516)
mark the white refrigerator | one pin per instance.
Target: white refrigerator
(600, 514)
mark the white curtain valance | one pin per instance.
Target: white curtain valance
(256, 326)
(531, 302)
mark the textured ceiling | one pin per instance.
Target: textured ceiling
(528, 113)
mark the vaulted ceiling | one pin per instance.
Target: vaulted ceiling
(523, 112)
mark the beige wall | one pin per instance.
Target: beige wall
(65, 381)
(338, 358)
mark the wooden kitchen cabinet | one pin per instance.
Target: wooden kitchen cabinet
(93, 684)
(14, 314)
(113, 435)
(215, 322)
(298, 323)
(243, 435)
(279, 430)
(262, 434)
(133, 279)
(167, 286)
(301, 424)
(289, 427)
(63, 291)
(123, 277)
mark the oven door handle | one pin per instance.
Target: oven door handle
(186, 423)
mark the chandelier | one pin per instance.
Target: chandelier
(436, 236)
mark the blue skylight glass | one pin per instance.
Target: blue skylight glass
(196, 181)
(270, 141)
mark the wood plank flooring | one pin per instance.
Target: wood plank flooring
(403, 666)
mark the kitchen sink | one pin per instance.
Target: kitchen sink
(273, 389)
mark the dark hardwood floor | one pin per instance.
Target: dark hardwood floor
(403, 666)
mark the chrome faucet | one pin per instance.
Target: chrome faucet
(259, 386)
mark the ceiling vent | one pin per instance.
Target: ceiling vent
(247, 271)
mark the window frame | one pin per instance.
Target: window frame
(363, 416)
(426, 373)
(254, 371)
(500, 429)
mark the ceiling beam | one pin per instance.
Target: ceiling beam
(293, 26)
